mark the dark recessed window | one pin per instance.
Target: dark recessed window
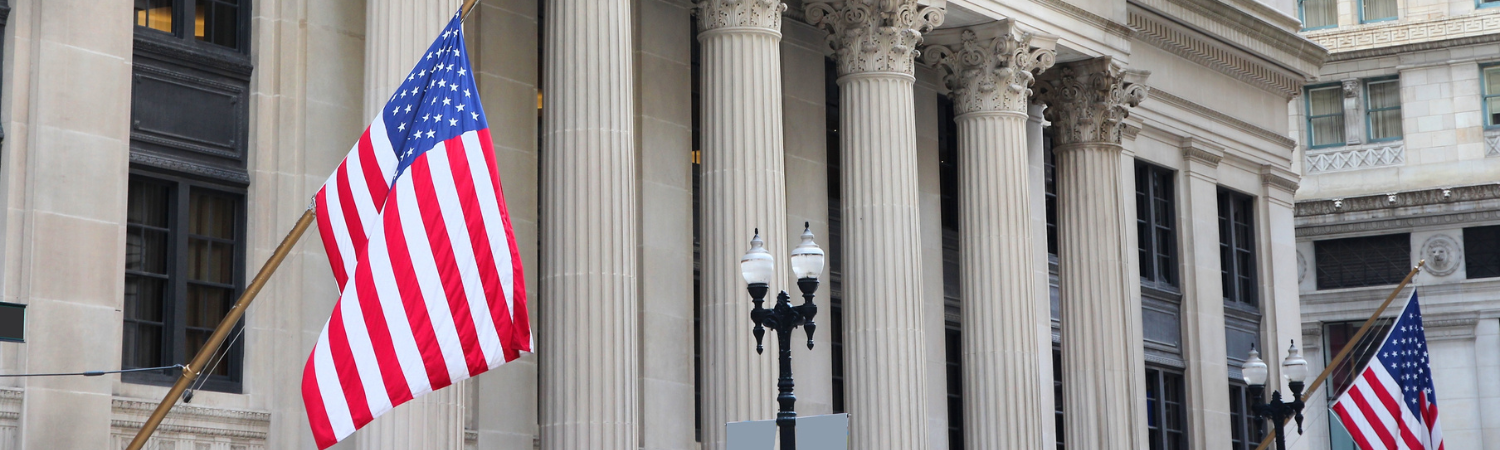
(220, 22)
(1156, 225)
(1166, 411)
(1319, 14)
(1338, 334)
(952, 342)
(1050, 161)
(1057, 395)
(1325, 116)
(1237, 249)
(1362, 261)
(183, 272)
(1490, 82)
(1377, 10)
(1383, 110)
(1482, 252)
(1245, 429)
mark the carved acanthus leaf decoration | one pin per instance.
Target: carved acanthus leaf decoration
(1089, 100)
(716, 14)
(874, 35)
(990, 73)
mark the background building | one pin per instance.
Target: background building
(1140, 189)
(1400, 162)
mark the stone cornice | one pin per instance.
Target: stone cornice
(1083, 15)
(1215, 55)
(873, 38)
(1280, 140)
(989, 67)
(1276, 177)
(1233, 26)
(1371, 39)
(1426, 197)
(1199, 150)
(1088, 101)
(717, 14)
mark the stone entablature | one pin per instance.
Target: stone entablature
(1388, 34)
(190, 426)
(1379, 154)
(1399, 211)
(1279, 44)
(1162, 33)
(989, 67)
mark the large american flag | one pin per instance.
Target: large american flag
(1391, 404)
(416, 228)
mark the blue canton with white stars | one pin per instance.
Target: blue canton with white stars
(438, 100)
(1405, 357)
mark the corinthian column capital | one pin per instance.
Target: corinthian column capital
(874, 35)
(1089, 100)
(716, 14)
(989, 67)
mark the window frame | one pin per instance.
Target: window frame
(1242, 418)
(174, 302)
(1370, 111)
(1360, 5)
(184, 12)
(1475, 256)
(1156, 408)
(1478, 4)
(1154, 192)
(1484, 95)
(1302, 16)
(1398, 272)
(1308, 116)
(1233, 297)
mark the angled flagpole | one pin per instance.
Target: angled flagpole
(194, 368)
(1344, 352)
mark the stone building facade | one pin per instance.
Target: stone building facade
(1400, 159)
(1050, 223)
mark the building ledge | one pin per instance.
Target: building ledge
(1385, 38)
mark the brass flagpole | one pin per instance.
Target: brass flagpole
(191, 372)
(212, 346)
(1344, 352)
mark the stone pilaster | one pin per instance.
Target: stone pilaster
(883, 328)
(1088, 102)
(589, 357)
(1354, 121)
(988, 70)
(397, 34)
(744, 184)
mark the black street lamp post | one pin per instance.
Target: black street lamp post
(758, 267)
(1277, 411)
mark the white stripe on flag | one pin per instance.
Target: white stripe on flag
(385, 157)
(402, 338)
(364, 204)
(341, 236)
(463, 253)
(429, 279)
(490, 206)
(363, 351)
(334, 402)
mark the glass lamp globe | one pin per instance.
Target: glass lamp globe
(1254, 370)
(1294, 367)
(807, 258)
(757, 266)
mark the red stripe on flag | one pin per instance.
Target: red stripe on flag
(521, 320)
(345, 368)
(447, 264)
(357, 235)
(370, 165)
(317, 414)
(1393, 407)
(1358, 397)
(1351, 426)
(380, 336)
(326, 231)
(494, 293)
(411, 296)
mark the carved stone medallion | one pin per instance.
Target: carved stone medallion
(1443, 254)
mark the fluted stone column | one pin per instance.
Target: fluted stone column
(988, 70)
(1087, 103)
(744, 187)
(397, 34)
(589, 346)
(883, 336)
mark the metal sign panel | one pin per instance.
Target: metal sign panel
(825, 432)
